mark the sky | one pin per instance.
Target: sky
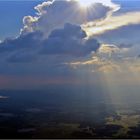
(69, 42)
(12, 13)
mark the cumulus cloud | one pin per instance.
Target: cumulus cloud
(110, 51)
(24, 57)
(53, 15)
(107, 48)
(22, 42)
(108, 59)
(70, 40)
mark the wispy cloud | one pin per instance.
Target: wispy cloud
(4, 97)
(112, 23)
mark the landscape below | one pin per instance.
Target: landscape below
(64, 113)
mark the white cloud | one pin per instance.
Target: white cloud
(53, 15)
(112, 23)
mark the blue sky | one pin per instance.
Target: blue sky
(11, 15)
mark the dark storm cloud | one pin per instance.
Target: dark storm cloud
(21, 58)
(22, 42)
(70, 40)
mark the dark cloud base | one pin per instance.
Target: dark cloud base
(70, 40)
